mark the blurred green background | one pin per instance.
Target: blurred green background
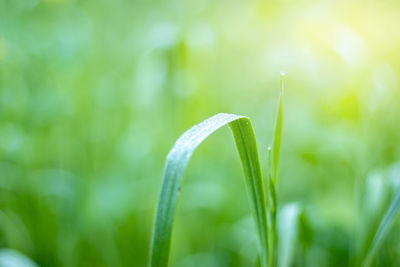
(93, 95)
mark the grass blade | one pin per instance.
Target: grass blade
(273, 162)
(276, 142)
(177, 161)
(383, 229)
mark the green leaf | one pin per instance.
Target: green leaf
(276, 143)
(177, 160)
(383, 229)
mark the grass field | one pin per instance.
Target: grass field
(94, 94)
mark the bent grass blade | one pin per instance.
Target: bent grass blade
(176, 163)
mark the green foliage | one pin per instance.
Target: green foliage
(177, 160)
(94, 93)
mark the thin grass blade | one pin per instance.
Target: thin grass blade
(276, 143)
(176, 163)
(273, 162)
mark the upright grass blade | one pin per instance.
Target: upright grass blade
(276, 142)
(273, 162)
(272, 212)
(383, 229)
(177, 160)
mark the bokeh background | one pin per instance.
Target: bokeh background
(93, 95)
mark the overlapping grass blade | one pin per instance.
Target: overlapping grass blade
(383, 229)
(177, 160)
